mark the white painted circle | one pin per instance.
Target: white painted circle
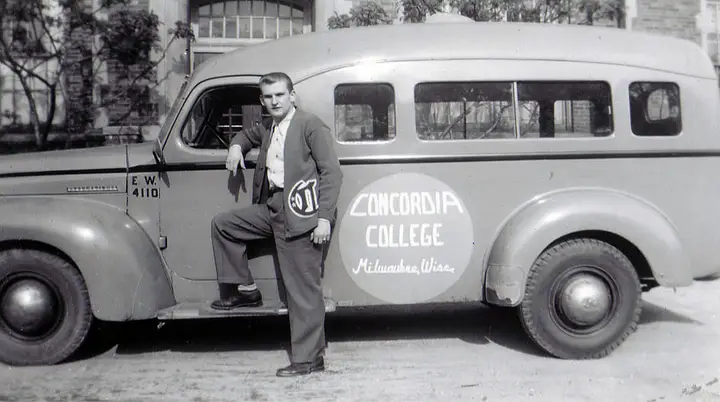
(406, 238)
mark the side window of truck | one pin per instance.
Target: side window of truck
(220, 113)
(365, 112)
(565, 109)
(464, 110)
(655, 109)
(486, 110)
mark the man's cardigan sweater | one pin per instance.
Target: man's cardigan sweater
(312, 171)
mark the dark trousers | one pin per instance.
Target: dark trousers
(300, 267)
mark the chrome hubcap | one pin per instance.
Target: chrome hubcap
(585, 300)
(29, 307)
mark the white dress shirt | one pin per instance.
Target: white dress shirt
(276, 151)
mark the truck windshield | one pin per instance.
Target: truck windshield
(179, 99)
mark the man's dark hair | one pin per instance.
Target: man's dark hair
(271, 78)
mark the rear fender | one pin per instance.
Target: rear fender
(535, 226)
(122, 268)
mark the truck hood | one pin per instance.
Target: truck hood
(100, 159)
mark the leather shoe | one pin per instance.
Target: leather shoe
(251, 298)
(296, 369)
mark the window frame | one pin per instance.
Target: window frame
(392, 112)
(463, 84)
(19, 117)
(659, 85)
(195, 16)
(610, 103)
(711, 31)
(516, 108)
(215, 88)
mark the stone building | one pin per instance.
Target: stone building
(223, 25)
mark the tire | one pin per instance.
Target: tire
(24, 339)
(601, 330)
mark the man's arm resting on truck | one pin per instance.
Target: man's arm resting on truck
(241, 144)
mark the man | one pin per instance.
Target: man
(295, 190)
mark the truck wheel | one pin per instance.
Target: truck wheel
(45, 310)
(582, 300)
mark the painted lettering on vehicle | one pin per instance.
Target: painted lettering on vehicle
(144, 186)
(404, 204)
(406, 238)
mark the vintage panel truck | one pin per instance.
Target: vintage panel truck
(558, 170)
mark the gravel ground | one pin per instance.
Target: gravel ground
(473, 354)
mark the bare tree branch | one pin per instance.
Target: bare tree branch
(79, 39)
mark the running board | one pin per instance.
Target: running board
(192, 310)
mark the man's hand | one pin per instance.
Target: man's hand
(321, 234)
(234, 158)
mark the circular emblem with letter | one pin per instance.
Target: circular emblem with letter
(406, 238)
(303, 199)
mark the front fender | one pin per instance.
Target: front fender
(532, 228)
(123, 270)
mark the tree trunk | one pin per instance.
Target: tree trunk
(40, 135)
(50, 113)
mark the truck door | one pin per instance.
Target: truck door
(196, 186)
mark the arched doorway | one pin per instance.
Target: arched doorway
(221, 26)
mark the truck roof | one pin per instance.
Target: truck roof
(308, 54)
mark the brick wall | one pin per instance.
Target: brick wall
(669, 17)
(580, 117)
(120, 110)
(78, 77)
(79, 80)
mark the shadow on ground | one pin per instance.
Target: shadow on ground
(475, 324)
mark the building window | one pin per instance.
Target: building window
(713, 30)
(364, 112)
(15, 114)
(655, 109)
(14, 105)
(250, 19)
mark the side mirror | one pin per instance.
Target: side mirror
(157, 152)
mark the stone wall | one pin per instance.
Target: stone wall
(79, 76)
(120, 110)
(669, 17)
